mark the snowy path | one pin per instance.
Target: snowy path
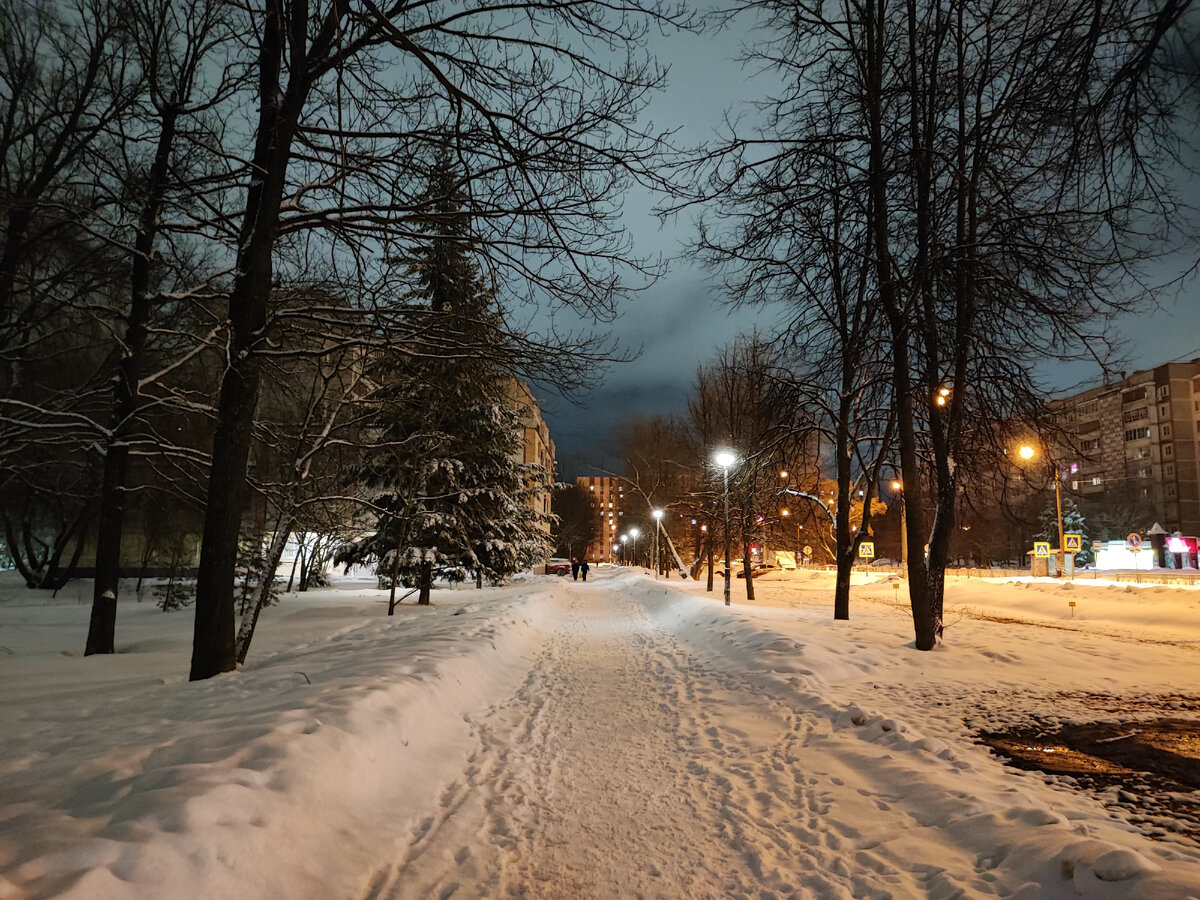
(625, 766)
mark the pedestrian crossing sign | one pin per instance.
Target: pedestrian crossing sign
(1073, 541)
(1041, 549)
(866, 550)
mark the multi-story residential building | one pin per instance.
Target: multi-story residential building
(1140, 436)
(608, 502)
(537, 448)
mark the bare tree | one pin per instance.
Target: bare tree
(1009, 161)
(538, 117)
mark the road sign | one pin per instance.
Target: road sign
(1041, 549)
(1097, 545)
(1134, 540)
(1073, 542)
(866, 550)
(807, 550)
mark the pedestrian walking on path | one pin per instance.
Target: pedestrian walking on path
(583, 569)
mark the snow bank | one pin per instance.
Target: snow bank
(288, 778)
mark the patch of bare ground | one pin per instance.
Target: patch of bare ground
(1147, 770)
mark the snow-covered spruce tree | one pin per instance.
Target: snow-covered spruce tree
(446, 475)
(1073, 523)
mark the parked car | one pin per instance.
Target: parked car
(557, 566)
(758, 569)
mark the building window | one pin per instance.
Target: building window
(1166, 431)
(1169, 491)
(1137, 434)
(1168, 449)
(1135, 415)
(1143, 473)
(1163, 392)
(1074, 485)
(1095, 480)
(1169, 470)
(1088, 410)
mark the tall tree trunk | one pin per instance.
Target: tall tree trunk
(747, 570)
(897, 316)
(426, 575)
(214, 647)
(711, 553)
(261, 593)
(106, 588)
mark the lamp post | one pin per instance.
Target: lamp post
(1027, 453)
(658, 514)
(896, 486)
(725, 459)
(785, 512)
(624, 539)
(633, 536)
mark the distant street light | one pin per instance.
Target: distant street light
(658, 514)
(725, 459)
(1027, 453)
(633, 536)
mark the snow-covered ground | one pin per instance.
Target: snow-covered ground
(619, 738)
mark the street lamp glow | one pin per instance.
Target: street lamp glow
(895, 485)
(724, 458)
(1027, 452)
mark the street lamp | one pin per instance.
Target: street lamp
(725, 459)
(785, 512)
(896, 487)
(658, 525)
(633, 536)
(624, 555)
(1027, 453)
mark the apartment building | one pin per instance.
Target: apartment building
(537, 448)
(608, 503)
(1139, 436)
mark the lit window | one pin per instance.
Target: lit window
(1096, 480)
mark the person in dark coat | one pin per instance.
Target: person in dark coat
(574, 569)
(583, 569)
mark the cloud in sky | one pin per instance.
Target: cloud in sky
(680, 323)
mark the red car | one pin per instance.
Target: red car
(558, 567)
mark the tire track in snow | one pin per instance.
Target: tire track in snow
(626, 767)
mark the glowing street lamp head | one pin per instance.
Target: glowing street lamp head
(634, 532)
(783, 474)
(1027, 452)
(658, 513)
(895, 485)
(725, 458)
